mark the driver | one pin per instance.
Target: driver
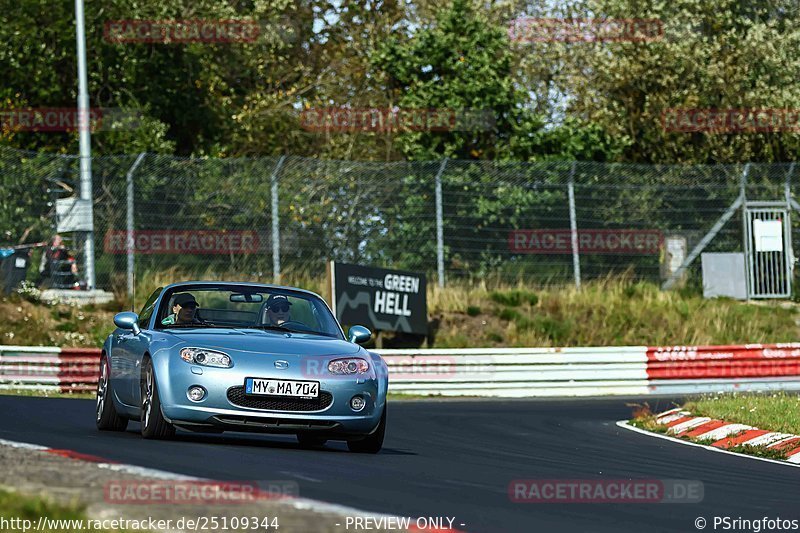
(278, 309)
(184, 310)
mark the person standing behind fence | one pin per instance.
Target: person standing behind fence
(57, 268)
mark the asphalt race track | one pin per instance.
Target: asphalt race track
(451, 458)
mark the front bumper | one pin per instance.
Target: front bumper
(217, 412)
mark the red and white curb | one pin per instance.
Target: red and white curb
(720, 435)
(303, 504)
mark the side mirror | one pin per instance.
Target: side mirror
(127, 320)
(359, 335)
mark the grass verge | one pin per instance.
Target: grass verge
(759, 451)
(607, 312)
(779, 411)
(768, 411)
(23, 508)
(47, 394)
(648, 423)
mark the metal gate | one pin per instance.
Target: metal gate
(768, 250)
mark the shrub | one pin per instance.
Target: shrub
(493, 336)
(514, 297)
(509, 314)
(67, 326)
(28, 291)
(556, 330)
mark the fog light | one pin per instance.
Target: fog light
(357, 403)
(196, 393)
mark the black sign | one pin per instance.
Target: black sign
(381, 299)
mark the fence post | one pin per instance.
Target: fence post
(573, 227)
(787, 191)
(787, 186)
(276, 231)
(440, 225)
(748, 268)
(85, 145)
(129, 244)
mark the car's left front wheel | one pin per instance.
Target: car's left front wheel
(154, 425)
(373, 442)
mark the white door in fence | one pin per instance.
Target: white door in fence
(768, 251)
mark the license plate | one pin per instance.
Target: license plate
(281, 387)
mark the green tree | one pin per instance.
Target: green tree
(460, 62)
(191, 98)
(724, 54)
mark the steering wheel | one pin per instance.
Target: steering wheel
(291, 324)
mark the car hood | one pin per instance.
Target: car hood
(255, 341)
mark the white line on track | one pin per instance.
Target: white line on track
(151, 473)
(624, 424)
(23, 445)
(300, 476)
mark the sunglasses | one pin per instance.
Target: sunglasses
(190, 305)
(280, 308)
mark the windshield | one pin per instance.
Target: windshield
(246, 308)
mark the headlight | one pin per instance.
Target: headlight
(348, 366)
(206, 357)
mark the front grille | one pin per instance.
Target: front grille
(237, 396)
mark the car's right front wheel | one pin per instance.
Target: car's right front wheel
(154, 425)
(373, 442)
(107, 418)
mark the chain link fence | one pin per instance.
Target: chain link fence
(472, 221)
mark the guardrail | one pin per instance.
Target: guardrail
(49, 369)
(518, 372)
(697, 369)
(500, 372)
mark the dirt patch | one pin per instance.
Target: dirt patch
(88, 485)
(28, 323)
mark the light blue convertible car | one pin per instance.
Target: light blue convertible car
(219, 356)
